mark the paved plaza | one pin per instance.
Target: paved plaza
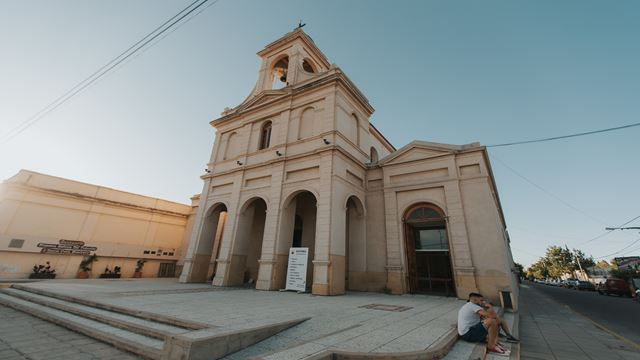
(24, 337)
(348, 323)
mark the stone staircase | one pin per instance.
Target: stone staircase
(150, 335)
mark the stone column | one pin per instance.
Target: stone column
(322, 263)
(268, 258)
(460, 251)
(228, 237)
(395, 274)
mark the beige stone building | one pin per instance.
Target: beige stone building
(46, 218)
(298, 164)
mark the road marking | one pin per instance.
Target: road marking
(602, 327)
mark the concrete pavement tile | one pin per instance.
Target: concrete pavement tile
(628, 355)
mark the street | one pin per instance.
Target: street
(619, 314)
(550, 330)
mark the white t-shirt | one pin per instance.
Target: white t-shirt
(467, 317)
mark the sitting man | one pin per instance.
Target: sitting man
(477, 322)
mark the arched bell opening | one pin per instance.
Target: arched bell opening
(279, 73)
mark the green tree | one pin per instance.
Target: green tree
(520, 270)
(538, 270)
(560, 261)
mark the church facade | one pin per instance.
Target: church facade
(298, 164)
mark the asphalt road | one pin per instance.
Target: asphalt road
(618, 314)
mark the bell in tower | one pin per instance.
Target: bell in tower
(280, 70)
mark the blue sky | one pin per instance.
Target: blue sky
(443, 71)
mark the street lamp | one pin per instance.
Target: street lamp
(623, 228)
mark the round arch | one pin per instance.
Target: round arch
(249, 199)
(355, 244)
(428, 249)
(293, 193)
(309, 66)
(296, 225)
(213, 207)
(362, 211)
(421, 203)
(246, 247)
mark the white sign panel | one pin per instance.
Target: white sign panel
(297, 269)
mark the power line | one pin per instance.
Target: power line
(619, 251)
(609, 231)
(565, 136)
(546, 191)
(133, 49)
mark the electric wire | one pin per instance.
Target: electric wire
(546, 191)
(565, 136)
(609, 231)
(105, 69)
(619, 251)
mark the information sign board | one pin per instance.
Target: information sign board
(297, 269)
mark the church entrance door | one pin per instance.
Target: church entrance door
(428, 257)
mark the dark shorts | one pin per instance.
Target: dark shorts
(476, 333)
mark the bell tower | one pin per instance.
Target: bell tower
(288, 61)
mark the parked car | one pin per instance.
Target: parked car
(586, 285)
(615, 286)
(570, 283)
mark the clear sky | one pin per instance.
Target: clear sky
(443, 71)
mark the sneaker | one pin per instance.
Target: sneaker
(498, 351)
(512, 339)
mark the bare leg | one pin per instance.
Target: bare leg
(492, 329)
(504, 326)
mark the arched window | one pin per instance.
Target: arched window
(265, 135)
(374, 155)
(355, 129)
(307, 65)
(232, 146)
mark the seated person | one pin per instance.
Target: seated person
(477, 322)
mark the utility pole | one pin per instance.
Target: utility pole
(575, 252)
(580, 266)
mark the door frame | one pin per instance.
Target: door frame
(409, 227)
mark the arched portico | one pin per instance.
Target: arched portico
(201, 265)
(247, 244)
(355, 245)
(297, 229)
(427, 250)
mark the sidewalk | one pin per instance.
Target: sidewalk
(549, 330)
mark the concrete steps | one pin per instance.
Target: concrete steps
(126, 322)
(150, 335)
(145, 346)
(463, 350)
(139, 332)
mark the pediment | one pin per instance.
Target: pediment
(417, 154)
(260, 99)
(420, 150)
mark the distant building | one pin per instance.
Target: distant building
(47, 218)
(298, 164)
(628, 263)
